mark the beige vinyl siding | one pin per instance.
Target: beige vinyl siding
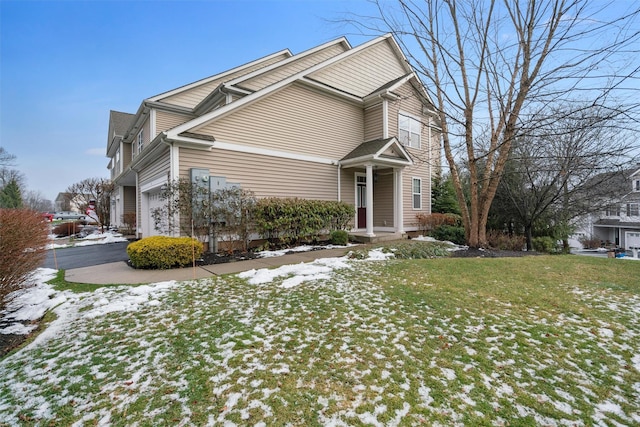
(191, 97)
(166, 120)
(125, 155)
(364, 72)
(129, 204)
(266, 176)
(295, 119)
(158, 168)
(383, 199)
(373, 123)
(260, 81)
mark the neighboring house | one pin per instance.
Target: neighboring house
(68, 202)
(335, 122)
(618, 224)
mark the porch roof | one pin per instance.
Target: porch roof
(384, 152)
(616, 223)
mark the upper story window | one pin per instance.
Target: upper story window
(613, 210)
(140, 141)
(409, 130)
(632, 209)
(416, 190)
(636, 185)
(116, 166)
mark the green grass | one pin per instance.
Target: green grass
(520, 341)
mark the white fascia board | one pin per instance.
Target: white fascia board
(388, 92)
(270, 89)
(330, 90)
(275, 65)
(219, 75)
(159, 105)
(376, 161)
(635, 173)
(272, 153)
(189, 142)
(404, 151)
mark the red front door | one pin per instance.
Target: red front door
(361, 201)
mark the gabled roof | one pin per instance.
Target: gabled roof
(284, 53)
(197, 122)
(119, 123)
(387, 151)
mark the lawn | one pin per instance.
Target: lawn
(544, 340)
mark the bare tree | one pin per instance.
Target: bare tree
(487, 64)
(558, 170)
(96, 190)
(36, 201)
(7, 172)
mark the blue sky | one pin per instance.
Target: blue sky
(65, 64)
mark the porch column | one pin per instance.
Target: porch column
(399, 219)
(370, 200)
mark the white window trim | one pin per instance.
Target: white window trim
(417, 119)
(140, 141)
(413, 194)
(636, 185)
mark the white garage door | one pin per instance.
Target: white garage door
(632, 239)
(154, 202)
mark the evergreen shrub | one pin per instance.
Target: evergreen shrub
(339, 237)
(163, 252)
(545, 244)
(449, 233)
(295, 220)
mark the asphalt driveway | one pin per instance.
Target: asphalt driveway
(86, 256)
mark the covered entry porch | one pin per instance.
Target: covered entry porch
(377, 167)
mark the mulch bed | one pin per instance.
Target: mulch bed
(490, 253)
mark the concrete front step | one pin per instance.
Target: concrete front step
(379, 237)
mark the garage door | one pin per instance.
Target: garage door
(632, 239)
(154, 202)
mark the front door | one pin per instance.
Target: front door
(361, 200)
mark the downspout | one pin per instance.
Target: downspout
(339, 182)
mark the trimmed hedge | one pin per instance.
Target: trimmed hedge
(294, 220)
(163, 252)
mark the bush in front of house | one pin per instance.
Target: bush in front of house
(505, 242)
(163, 252)
(23, 237)
(339, 237)
(290, 220)
(429, 222)
(545, 244)
(449, 233)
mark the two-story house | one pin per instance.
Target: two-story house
(619, 224)
(334, 122)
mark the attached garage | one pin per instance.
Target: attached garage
(632, 239)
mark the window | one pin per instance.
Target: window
(409, 131)
(140, 140)
(632, 209)
(636, 185)
(416, 191)
(613, 210)
(117, 162)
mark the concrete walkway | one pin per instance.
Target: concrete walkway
(121, 273)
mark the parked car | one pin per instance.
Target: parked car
(68, 215)
(47, 216)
